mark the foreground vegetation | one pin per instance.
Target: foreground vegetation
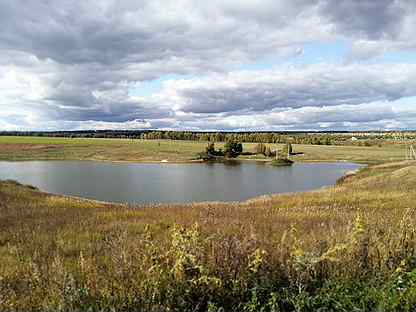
(45, 148)
(351, 247)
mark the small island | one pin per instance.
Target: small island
(233, 149)
(280, 162)
(280, 157)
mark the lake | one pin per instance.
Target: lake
(171, 183)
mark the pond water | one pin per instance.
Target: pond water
(167, 183)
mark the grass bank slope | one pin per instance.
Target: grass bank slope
(351, 247)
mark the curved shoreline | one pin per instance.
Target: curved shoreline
(254, 199)
(263, 198)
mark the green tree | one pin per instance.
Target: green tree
(327, 141)
(210, 149)
(233, 148)
(268, 152)
(287, 150)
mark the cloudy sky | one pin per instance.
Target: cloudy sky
(207, 65)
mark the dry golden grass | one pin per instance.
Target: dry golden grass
(347, 246)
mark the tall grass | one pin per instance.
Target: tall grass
(346, 248)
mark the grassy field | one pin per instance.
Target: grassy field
(39, 148)
(29, 148)
(351, 247)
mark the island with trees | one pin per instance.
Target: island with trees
(233, 149)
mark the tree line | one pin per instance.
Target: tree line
(316, 138)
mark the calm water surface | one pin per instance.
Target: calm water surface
(148, 183)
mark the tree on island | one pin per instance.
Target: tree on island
(210, 149)
(268, 152)
(282, 158)
(233, 149)
(287, 150)
(210, 153)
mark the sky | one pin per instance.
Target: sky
(234, 65)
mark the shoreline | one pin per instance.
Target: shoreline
(258, 198)
(198, 161)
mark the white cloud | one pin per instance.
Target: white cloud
(292, 87)
(71, 64)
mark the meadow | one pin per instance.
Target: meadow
(45, 148)
(350, 247)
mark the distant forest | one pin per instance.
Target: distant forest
(318, 138)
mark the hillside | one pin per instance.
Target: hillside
(344, 248)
